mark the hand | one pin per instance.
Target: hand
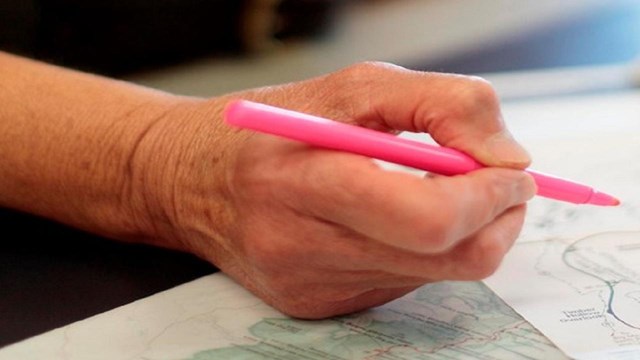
(317, 233)
(313, 232)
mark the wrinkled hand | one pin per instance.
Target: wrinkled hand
(317, 233)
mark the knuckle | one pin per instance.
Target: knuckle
(347, 93)
(481, 91)
(368, 68)
(361, 74)
(506, 188)
(477, 93)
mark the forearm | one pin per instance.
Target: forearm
(71, 147)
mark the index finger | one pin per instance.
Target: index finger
(403, 210)
(461, 112)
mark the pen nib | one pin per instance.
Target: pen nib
(602, 199)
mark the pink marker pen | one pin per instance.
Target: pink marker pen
(335, 135)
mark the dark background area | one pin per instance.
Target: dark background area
(51, 275)
(116, 38)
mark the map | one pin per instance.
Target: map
(213, 318)
(581, 264)
(583, 294)
(440, 321)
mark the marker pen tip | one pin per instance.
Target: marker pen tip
(602, 199)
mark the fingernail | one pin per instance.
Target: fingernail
(527, 186)
(507, 152)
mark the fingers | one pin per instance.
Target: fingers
(338, 290)
(404, 211)
(385, 266)
(458, 111)
(474, 258)
(480, 255)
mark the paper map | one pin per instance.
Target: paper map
(584, 294)
(214, 318)
(575, 272)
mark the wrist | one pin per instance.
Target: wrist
(104, 156)
(178, 177)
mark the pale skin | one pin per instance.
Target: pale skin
(314, 233)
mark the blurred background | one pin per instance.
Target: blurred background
(527, 48)
(208, 47)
